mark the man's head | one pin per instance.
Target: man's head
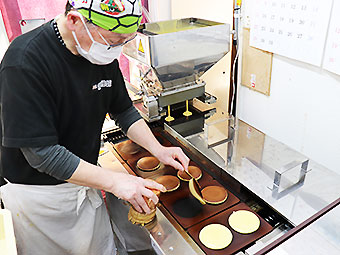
(96, 24)
(119, 16)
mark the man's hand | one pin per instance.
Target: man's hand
(122, 185)
(172, 156)
(132, 189)
(140, 133)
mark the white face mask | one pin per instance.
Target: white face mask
(99, 54)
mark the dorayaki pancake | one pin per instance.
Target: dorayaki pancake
(170, 182)
(214, 194)
(193, 170)
(244, 222)
(149, 201)
(148, 163)
(215, 236)
(142, 218)
(195, 190)
(129, 147)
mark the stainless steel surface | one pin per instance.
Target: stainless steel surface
(151, 109)
(181, 93)
(284, 169)
(217, 129)
(180, 50)
(266, 240)
(252, 159)
(298, 204)
(319, 238)
(166, 239)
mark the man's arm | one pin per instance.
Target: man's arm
(60, 163)
(140, 133)
(54, 160)
(124, 186)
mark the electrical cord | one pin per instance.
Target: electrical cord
(233, 80)
(236, 37)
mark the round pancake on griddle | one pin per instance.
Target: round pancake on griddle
(214, 194)
(195, 190)
(148, 163)
(193, 170)
(129, 147)
(170, 182)
(244, 222)
(215, 236)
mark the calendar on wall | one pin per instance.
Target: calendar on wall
(294, 29)
(332, 55)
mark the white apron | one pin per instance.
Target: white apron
(64, 219)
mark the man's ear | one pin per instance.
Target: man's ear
(73, 20)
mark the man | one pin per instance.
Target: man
(57, 83)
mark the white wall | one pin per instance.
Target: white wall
(302, 111)
(3, 38)
(160, 10)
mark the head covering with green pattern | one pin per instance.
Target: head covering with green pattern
(119, 16)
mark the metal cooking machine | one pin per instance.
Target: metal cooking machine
(167, 60)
